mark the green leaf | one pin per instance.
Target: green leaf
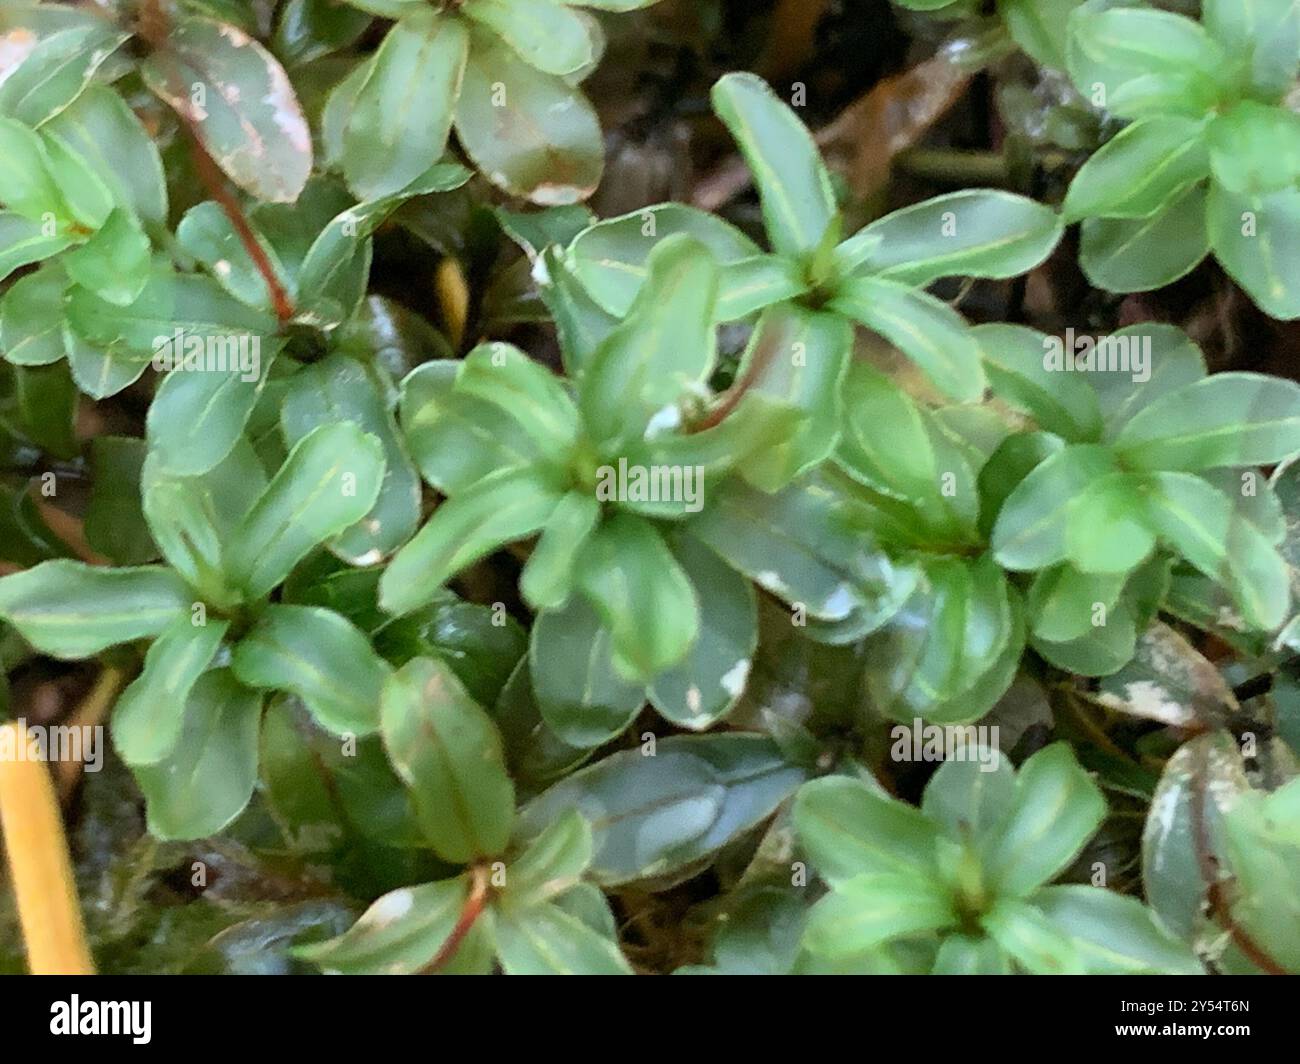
(580, 322)
(923, 328)
(1032, 527)
(72, 610)
(482, 644)
(530, 133)
(1265, 32)
(1217, 537)
(210, 776)
(1036, 944)
(25, 174)
(798, 357)
(545, 34)
(334, 793)
(657, 816)
(545, 940)
(972, 233)
(1174, 361)
(56, 71)
(337, 389)
(329, 482)
(86, 199)
(580, 695)
(1015, 458)
(509, 505)
(1142, 254)
(190, 306)
(1262, 846)
(114, 263)
(502, 376)
(668, 474)
(870, 910)
(1100, 652)
(612, 5)
(799, 545)
(1230, 419)
(1255, 149)
(963, 955)
(1016, 360)
(399, 934)
(665, 348)
(400, 119)
(196, 418)
(1039, 27)
(115, 524)
(707, 683)
(759, 935)
(206, 233)
(932, 659)
(23, 242)
(1256, 239)
(798, 200)
(150, 713)
(100, 372)
(104, 131)
(1057, 808)
(968, 796)
(448, 751)
(336, 266)
(321, 658)
(611, 258)
(1063, 601)
(1110, 526)
(1115, 935)
(31, 318)
(551, 864)
(46, 408)
(896, 449)
(1141, 170)
(1204, 778)
(642, 594)
(248, 119)
(850, 830)
(551, 572)
(193, 519)
(536, 754)
(1136, 62)
(310, 29)
(458, 439)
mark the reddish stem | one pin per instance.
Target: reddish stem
(1216, 892)
(154, 28)
(473, 908)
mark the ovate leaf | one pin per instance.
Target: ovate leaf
(321, 658)
(798, 201)
(72, 610)
(237, 98)
(448, 751)
(329, 482)
(210, 775)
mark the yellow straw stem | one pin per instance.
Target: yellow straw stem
(40, 868)
(453, 298)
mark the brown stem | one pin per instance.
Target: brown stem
(153, 27)
(90, 714)
(210, 175)
(1216, 889)
(731, 398)
(473, 908)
